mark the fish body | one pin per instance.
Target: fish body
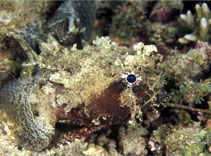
(78, 87)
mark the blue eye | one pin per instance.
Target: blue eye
(131, 78)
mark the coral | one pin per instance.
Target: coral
(162, 28)
(95, 150)
(22, 14)
(127, 21)
(164, 11)
(109, 144)
(179, 68)
(159, 34)
(131, 24)
(81, 87)
(191, 140)
(131, 140)
(182, 140)
(200, 24)
(194, 92)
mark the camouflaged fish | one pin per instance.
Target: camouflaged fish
(101, 85)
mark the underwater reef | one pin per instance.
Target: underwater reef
(101, 78)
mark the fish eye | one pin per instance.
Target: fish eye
(131, 78)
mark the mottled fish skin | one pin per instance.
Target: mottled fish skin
(35, 133)
(83, 86)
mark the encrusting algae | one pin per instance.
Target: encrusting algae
(82, 87)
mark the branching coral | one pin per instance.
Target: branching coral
(200, 24)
